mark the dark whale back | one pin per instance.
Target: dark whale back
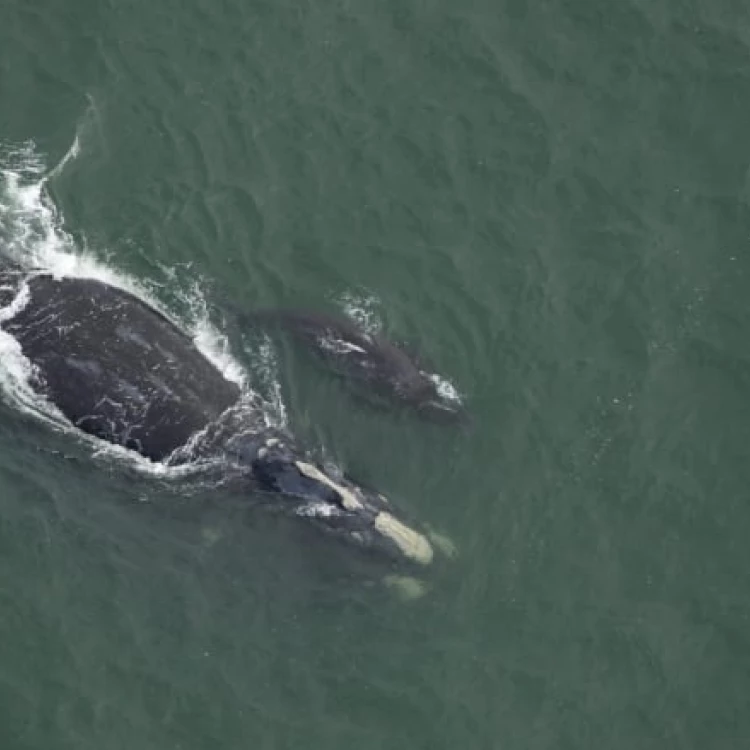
(116, 367)
(370, 355)
(369, 358)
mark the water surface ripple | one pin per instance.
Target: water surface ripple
(551, 202)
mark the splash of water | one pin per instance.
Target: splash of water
(445, 389)
(363, 310)
(266, 367)
(32, 235)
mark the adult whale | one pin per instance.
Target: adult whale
(368, 358)
(121, 371)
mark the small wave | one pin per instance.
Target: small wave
(210, 340)
(90, 121)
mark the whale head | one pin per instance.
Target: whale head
(433, 398)
(331, 501)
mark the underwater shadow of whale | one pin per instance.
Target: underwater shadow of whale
(119, 370)
(368, 359)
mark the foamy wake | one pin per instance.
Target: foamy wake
(363, 310)
(32, 235)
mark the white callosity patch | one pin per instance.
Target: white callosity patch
(348, 499)
(411, 543)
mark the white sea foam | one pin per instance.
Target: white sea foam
(16, 372)
(446, 390)
(363, 310)
(32, 235)
(267, 369)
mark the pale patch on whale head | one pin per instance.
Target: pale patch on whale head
(411, 543)
(348, 499)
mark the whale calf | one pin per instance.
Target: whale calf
(369, 359)
(119, 370)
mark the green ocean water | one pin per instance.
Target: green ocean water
(551, 202)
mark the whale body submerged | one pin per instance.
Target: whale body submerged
(362, 357)
(119, 370)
